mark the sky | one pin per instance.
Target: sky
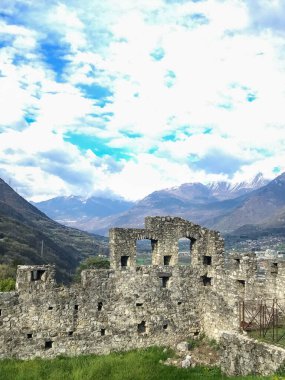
(123, 98)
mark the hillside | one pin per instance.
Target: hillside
(27, 236)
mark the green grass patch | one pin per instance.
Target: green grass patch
(132, 365)
(267, 336)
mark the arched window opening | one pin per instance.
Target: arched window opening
(144, 251)
(184, 251)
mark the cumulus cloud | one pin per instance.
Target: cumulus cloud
(138, 96)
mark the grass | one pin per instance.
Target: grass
(279, 336)
(132, 365)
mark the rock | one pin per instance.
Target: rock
(182, 347)
(186, 363)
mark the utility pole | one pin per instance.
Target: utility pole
(42, 249)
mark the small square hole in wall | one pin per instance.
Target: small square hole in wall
(70, 333)
(207, 281)
(166, 260)
(125, 261)
(76, 307)
(103, 332)
(237, 261)
(139, 304)
(100, 306)
(241, 283)
(207, 260)
(29, 336)
(165, 326)
(50, 308)
(196, 333)
(142, 327)
(48, 344)
(179, 302)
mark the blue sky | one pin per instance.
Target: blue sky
(125, 98)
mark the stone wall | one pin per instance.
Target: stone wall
(241, 355)
(131, 306)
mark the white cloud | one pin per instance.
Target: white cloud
(220, 68)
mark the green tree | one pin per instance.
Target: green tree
(92, 262)
(7, 277)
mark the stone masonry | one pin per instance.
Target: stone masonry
(131, 306)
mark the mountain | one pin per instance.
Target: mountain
(72, 209)
(197, 202)
(28, 236)
(264, 206)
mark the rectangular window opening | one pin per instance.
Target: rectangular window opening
(103, 332)
(99, 306)
(76, 307)
(50, 308)
(207, 260)
(36, 275)
(139, 304)
(165, 326)
(179, 302)
(48, 344)
(125, 261)
(164, 282)
(167, 260)
(142, 327)
(70, 333)
(29, 336)
(274, 268)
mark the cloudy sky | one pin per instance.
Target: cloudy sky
(131, 96)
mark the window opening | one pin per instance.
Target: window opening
(184, 251)
(103, 332)
(144, 249)
(164, 282)
(70, 333)
(139, 304)
(167, 260)
(76, 307)
(125, 261)
(50, 307)
(207, 281)
(207, 260)
(0, 312)
(142, 327)
(48, 344)
(29, 336)
(37, 274)
(100, 305)
(165, 326)
(274, 268)
(241, 282)
(179, 302)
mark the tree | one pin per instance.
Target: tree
(7, 277)
(92, 262)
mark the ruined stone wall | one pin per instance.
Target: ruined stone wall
(130, 306)
(241, 355)
(125, 307)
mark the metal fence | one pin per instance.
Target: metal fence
(264, 319)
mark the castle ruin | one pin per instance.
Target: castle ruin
(130, 306)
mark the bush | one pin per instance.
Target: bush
(7, 285)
